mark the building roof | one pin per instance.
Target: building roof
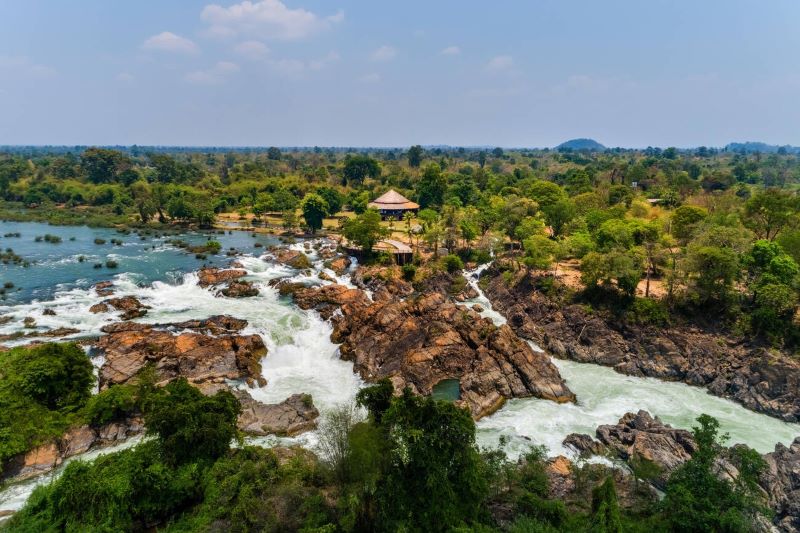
(393, 200)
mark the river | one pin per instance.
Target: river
(301, 357)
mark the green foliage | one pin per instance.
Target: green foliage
(409, 272)
(364, 230)
(333, 198)
(605, 508)
(114, 403)
(432, 186)
(315, 208)
(713, 270)
(357, 168)
(190, 426)
(452, 263)
(615, 267)
(698, 499)
(41, 388)
(684, 220)
(648, 311)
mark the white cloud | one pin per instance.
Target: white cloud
(214, 75)
(252, 49)
(383, 53)
(124, 77)
(169, 42)
(500, 63)
(23, 66)
(451, 51)
(370, 78)
(270, 19)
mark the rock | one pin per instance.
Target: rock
(584, 445)
(478, 308)
(104, 288)
(239, 289)
(291, 417)
(131, 307)
(193, 354)
(293, 258)
(49, 312)
(36, 462)
(781, 482)
(338, 265)
(215, 276)
(766, 381)
(325, 277)
(419, 342)
(77, 440)
(640, 439)
(326, 300)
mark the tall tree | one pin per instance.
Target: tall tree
(415, 156)
(314, 209)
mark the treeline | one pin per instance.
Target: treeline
(657, 235)
(390, 463)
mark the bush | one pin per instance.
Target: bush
(409, 271)
(452, 263)
(114, 403)
(647, 311)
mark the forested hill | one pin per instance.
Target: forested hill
(581, 144)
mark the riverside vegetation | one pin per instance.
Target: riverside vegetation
(704, 241)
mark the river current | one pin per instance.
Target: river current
(301, 358)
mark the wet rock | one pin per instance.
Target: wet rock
(293, 258)
(104, 288)
(36, 462)
(131, 307)
(478, 308)
(193, 354)
(49, 312)
(215, 276)
(584, 445)
(766, 381)
(419, 342)
(338, 265)
(291, 417)
(325, 277)
(239, 289)
(640, 439)
(385, 282)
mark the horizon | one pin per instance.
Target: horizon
(354, 74)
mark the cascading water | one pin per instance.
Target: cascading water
(605, 395)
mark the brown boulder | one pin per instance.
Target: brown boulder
(239, 289)
(131, 307)
(781, 482)
(326, 300)
(104, 288)
(215, 276)
(293, 258)
(197, 356)
(339, 265)
(291, 417)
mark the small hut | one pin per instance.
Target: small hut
(393, 204)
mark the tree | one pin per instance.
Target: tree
(333, 197)
(189, 425)
(768, 212)
(618, 266)
(365, 230)
(142, 195)
(432, 186)
(698, 499)
(101, 165)
(540, 252)
(546, 193)
(415, 156)
(58, 376)
(314, 210)
(684, 220)
(605, 508)
(433, 479)
(713, 269)
(359, 167)
(274, 154)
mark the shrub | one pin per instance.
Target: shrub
(648, 311)
(452, 263)
(409, 271)
(114, 403)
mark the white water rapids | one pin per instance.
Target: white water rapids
(302, 359)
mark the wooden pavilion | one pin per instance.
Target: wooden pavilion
(393, 204)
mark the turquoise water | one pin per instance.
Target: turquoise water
(57, 267)
(447, 389)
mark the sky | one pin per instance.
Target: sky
(510, 73)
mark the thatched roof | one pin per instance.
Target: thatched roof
(393, 200)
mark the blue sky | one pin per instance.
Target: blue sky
(377, 73)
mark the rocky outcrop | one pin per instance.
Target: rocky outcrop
(238, 289)
(104, 288)
(291, 417)
(75, 441)
(781, 482)
(419, 342)
(207, 351)
(760, 379)
(215, 276)
(339, 265)
(293, 258)
(130, 306)
(384, 282)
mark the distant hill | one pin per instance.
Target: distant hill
(581, 144)
(763, 148)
